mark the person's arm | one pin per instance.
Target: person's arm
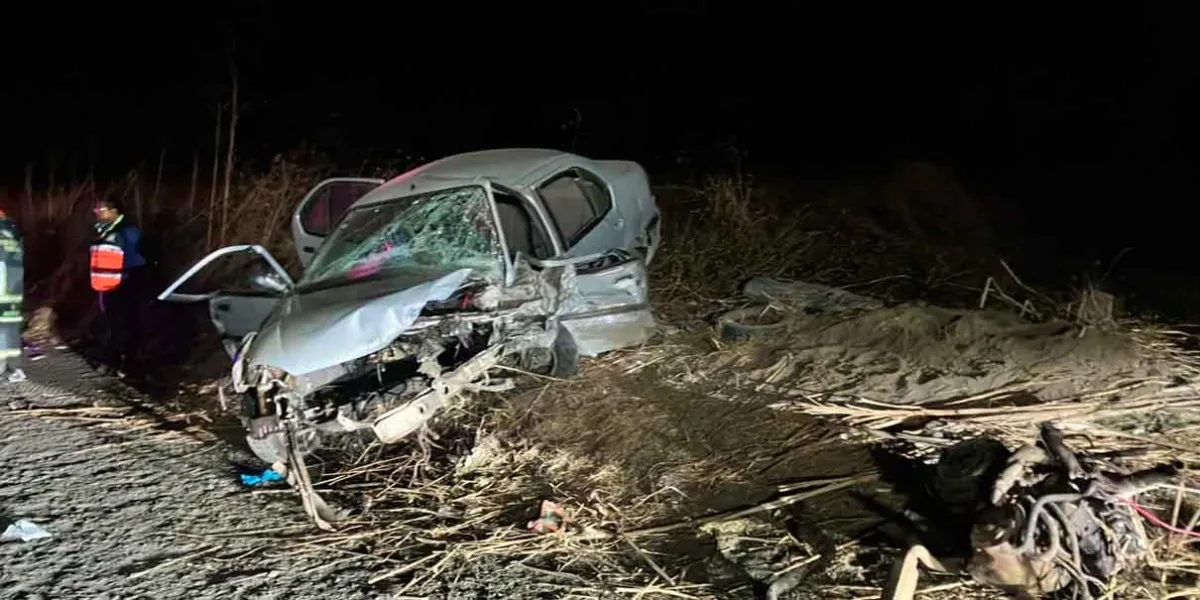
(132, 239)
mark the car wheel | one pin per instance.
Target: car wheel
(561, 360)
(753, 322)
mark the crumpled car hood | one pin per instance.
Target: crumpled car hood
(307, 335)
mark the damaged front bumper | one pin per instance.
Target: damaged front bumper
(400, 422)
(389, 427)
(391, 394)
(1041, 520)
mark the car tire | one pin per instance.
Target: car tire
(560, 361)
(745, 324)
(566, 354)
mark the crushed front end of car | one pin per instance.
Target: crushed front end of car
(392, 363)
(410, 303)
(393, 392)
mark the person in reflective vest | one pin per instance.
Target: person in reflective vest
(12, 292)
(117, 270)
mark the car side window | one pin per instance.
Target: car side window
(315, 217)
(576, 200)
(329, 203)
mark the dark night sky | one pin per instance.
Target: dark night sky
(1058, 112)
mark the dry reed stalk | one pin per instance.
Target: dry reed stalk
(436, 523)
(158, 179)
(216, 169)
(229, 154)
(191, 201)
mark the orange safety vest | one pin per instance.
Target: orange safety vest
(107, 265)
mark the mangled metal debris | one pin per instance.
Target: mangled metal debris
(423, 286)
(1042, 519)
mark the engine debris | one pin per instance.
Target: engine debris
(1043, 519)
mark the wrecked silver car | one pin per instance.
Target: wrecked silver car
(419, 286)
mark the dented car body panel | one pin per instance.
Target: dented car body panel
(427, 281)
(309, 332)
(605, 302)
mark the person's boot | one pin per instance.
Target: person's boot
(104, 364)
(128, 368)
(120, 370)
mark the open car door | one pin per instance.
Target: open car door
(244, 306)
(322, 208)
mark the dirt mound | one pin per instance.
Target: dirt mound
(919, 354)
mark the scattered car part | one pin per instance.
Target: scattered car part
(1046, 521)
(750, 322)
(552, 518)
(776, 302)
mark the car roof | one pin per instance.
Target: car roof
(512, 167)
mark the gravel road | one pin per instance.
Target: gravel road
(136, 511)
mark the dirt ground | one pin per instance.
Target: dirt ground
(681, 474)
(139, 506)
(136, 510)
(917, 354)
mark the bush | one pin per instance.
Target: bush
(914, 233)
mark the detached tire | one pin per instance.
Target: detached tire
(561, 360)
(751, 322)
(966, 471)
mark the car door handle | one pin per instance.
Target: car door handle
(308, 249)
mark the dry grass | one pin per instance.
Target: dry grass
(431, 518)
(179, 225)
(1138, 424)
(648, 444)
(428, 519)
(584, 444)
(175, 216)
(877, 239)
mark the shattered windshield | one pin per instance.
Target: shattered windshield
(429, 234)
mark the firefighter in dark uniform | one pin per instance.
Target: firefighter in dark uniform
(12, 291)
(117, 271)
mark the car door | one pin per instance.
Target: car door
(603, 300)
(608, 306)
(242, 305)
(613, 309)
(322, 208)
(581, 207)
